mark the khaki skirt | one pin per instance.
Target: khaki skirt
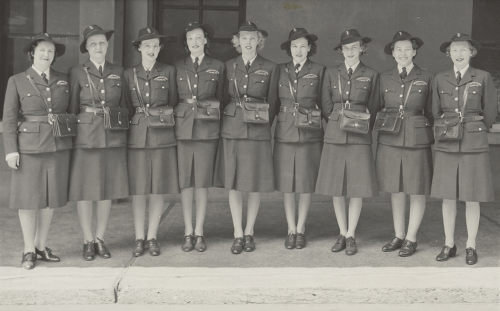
(196, 162)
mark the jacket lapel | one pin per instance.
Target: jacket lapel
(91, 68)
(204, 64)
(188, 62)
(359, 72)
(37, 79)
(257, 64)
(451, 77)
(304, 70)
(471, 72)
(413, 75)
(394, 75)
(108, 69)
(141, 73)
(155, 71)
(54, 76)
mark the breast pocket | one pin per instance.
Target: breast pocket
(161, 89)
(389, 95)
(63, 92)
(259, 83)
(418, 96)
(211, 81)
(474, 97)
(32, 100)
(363, 89)
(446, 94)
(114, 91)
(309, 87)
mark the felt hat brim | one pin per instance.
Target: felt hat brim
(107, 33)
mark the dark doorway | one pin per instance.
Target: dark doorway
(172, 16)
(485, 29)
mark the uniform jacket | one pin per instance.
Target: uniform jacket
(261, 81)
(158, 89)
(415, 131)
(362, 91)
(481, 100)
(307, 89)
(111, 89)
(22, 98)
(208, 81)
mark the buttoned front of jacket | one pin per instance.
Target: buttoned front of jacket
(306, 88)
(22, 99)
(448, 96)
(158, 89)
(112, 91)
(415, 131)
(206, 82)
(261, 81)
(361, 90)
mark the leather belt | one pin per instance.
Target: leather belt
(408, 113)
(287, 109)
(139, 110)
(187, 101)
(247, 99)
(38, 119)
(96, 111)
(464, 119)
(354, 107)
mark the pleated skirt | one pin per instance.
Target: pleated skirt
(40, 181)
(99, 174)
(407, 170)
(347, 170)
(462, 176)
(296, 166)
(196, 162)
(245, 165)
(153, 171)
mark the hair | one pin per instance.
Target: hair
(31, 52)
(362, 44)
(311, 52)
(236, 42)
(472, 48)
(206, 49)
(414, 45)
(136, 47)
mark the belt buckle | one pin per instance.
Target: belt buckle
(348, 105)
(50, 118)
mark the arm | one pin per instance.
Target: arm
(437, 111)
(326, 98)
(174, 94)
(10, 115)
(272, 95)
(219, 92)
(374, 100)
(74, 92)
(321, 76)
(128, 99)
(489, 102)
(428, 103)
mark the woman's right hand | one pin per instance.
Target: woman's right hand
(13, 162)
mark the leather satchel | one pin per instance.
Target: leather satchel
(351, 120)
(451, 128)
(158, 117)
(390, 121)
(254, 110)
(205, 109)
(63, 125)
(306, 118)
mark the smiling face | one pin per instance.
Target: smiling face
(195, 40)
(43, 55)
(403, 53)
(460, 54)
(248, 42)
(97, 45)
(351, 52)
(150, 49)
(299, 49)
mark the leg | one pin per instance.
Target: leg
(253, 209)
(304, 204)
(156, 202)
(449, 216)
(341, 214)
(289, 203)
(472, 214)
(417, 209)
(355, 205)
(139, 209)
(103, 209)
(201, 209)
(187, 209)
(398, 201)
(44, 218)
(28, 217)
(85, 210)
(236, 206)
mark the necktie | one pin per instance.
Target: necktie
(459, 77)
(349, 73)
(403, 74)
(247, 66)
(100, 70)
(297, 69)
(147, 74)
(44, 77)
(195, 64)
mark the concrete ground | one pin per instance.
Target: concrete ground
(271, 274)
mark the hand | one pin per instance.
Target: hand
(13, 162)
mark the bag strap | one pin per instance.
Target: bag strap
(91, 85)
(236, 91)
(40, 94)
(139, 94)
(188, 81)
(407, 96)
(340, 90)
(466, 93)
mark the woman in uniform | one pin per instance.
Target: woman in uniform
(297, 151)
(404, 159)
(200, 79)
(152, 155)
(40, 160)
(244, 159)
(347, 168)
(462, 169)
(99, 165)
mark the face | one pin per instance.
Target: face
(97, 45)
(44, 55)
(403, 53)
(150, 49)
(196, 41)
(351, 52)
(249, 41)
(460, 53)
(299, 49)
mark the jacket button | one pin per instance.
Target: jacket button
(474, 92)
(192, 108)
(244, 86)
(102, 80)
(456, 98)
(364, 87)
(103, 102)
(48, 99)
(401, 95)
(47, 89)
(24, 130)
(194, 97)
(402, 85)
(50, 110)
(246, 76)
(213, 79)
(146, 84)
(102, 91)
(262, 81)
(133, 89)
(180, 78)
(312, 83)
(194, 85)
(479, 128)
(348, 82)
(293, 81)
(196, 76)
(147, 105)
(347, 92)
(455, 89)
(147, 94)
(78, 120)
(419, 91)
(386, 91)
(162, 87)
(29, 94)
(245, 96)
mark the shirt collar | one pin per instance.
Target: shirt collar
(408, 68)
(40, 72)
(301, 63)
(149, 69)
(97, 64)
(353, 67)
(245, 61)
(200, 58)
(462, 72)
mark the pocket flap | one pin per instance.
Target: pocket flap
(475, 127)
(208, 103)
(66, 118)
(180, 110)
(356, 115)
(29, 127)
(230, 110)
(450, 121)
(421, 122)
(114, 111)
(334, 116)
(85, 118)
(260, 79)
(256, 106)
(162, 110)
